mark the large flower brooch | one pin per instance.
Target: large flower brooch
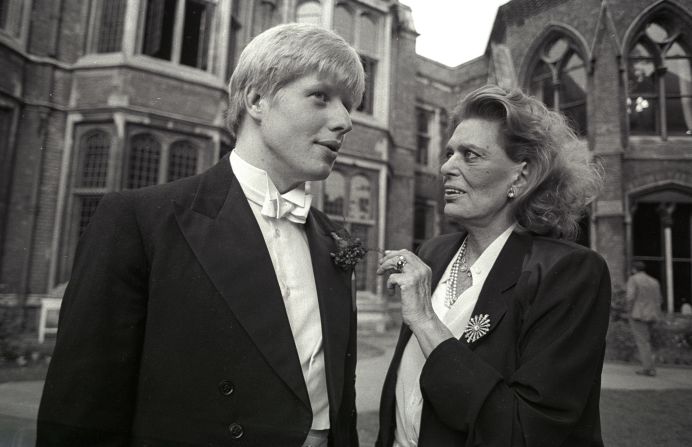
(478, 326)
(349, 251)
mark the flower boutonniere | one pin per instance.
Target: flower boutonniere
(349, 250)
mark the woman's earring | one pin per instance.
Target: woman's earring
(512, 192)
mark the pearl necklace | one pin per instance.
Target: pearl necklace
(459, 264)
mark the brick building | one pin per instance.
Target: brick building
(104, 95)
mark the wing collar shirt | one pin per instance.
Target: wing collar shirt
(409, 400)
(280, 218)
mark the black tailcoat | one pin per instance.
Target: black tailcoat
(173, 329)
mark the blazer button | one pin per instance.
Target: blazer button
(226, 387)
(236, 430)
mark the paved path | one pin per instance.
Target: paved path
(19, 400)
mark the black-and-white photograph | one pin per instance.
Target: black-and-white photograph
(345, 223)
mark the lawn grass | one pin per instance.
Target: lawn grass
(629, 419)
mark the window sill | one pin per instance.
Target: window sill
(152, 65)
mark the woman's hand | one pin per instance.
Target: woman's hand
(413, 280)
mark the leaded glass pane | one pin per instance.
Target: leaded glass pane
(542, 86)
(679, 116)
(111, 22)
(657, 32)
(556, 50)
(573, 81)
(642, 77)
(643, 115)
(334, 194)
(360, 198)
(143, 168)
(369, 67)
(87, 206)
(158, 29)
(182, 160)
(196, 33)
(95, 150)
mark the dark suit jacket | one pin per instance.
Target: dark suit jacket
(534, 379)
(173, 329)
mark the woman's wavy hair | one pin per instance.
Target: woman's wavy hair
(563, 178)
(287, 52)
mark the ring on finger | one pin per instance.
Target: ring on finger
(400, 263)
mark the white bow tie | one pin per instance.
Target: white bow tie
(280, 207)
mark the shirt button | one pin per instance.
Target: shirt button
(236, 430)
(277, 233)
(288, 292)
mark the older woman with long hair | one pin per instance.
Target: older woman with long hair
(505, 321)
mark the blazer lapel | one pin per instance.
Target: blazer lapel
(492, 300)
(334, 296)
(226, 239)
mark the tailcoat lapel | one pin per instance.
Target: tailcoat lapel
(222, 231)
(334, 295)
(495, 293)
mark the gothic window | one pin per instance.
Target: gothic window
(309, 12)
(143, 163)
(182, 160)
(178, 31)
(344, 22)
(559, 80)
(334, 194)
(659, 73)
(108, 20)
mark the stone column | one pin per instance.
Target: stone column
(665, 210)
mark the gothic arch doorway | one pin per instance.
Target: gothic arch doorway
(661, 237)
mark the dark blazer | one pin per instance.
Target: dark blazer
(173, 329)
(534, 379)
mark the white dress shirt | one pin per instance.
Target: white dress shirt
(290, 255)
(409, 400)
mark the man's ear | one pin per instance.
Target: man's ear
(254, 103)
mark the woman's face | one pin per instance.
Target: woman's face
(478, 173)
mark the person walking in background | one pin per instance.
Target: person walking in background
(644, 304)
(208, 311)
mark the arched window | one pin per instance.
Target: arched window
(143, 166)
(182, 160)
(659, 70)
(95, 150)
(559, 80)
(309, 12)
(360, 205)
(344, 22)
